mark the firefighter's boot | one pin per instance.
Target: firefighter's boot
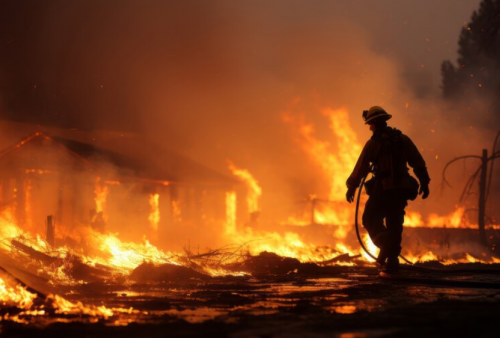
(392, 265)
(382, 255)
(381, 240)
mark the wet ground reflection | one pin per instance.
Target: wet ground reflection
(344, 299)
(229, 299)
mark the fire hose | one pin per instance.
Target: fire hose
(411, 267)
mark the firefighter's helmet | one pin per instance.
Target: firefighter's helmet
(375, 113)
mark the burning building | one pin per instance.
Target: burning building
(132, 193)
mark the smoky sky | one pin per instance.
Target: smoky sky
(105, 64)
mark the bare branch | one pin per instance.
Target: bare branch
(468, 185)
(454, 160)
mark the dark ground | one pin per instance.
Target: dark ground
(347, 302)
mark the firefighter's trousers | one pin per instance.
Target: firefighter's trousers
(388, 205)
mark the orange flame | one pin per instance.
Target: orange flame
(336, 164)
(413, 219)
(16, 296)
(372, 248)
(254, 190)
(101, 192)
(453, 220)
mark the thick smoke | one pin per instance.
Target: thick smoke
(211, 78)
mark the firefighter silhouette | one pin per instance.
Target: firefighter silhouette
(387, 154)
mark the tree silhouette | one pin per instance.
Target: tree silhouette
(477, 75)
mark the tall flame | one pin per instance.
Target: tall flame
(336, 164)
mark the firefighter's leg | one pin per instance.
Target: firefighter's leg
(373, 221)
(394, 221)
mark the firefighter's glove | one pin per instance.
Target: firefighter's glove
(349, 196)
(424, 191)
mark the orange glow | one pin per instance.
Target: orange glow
(154, 211)
(38, 171)
(230, 212)
(176, 211)
(254, 190)
(27, 203)
(101, 194)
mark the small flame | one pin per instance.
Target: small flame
(453, 220)
(65, 306)
(101, 194)
(254, 190)
(413, 219)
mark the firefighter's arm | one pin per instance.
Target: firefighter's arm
(417, 162)
(360, 170)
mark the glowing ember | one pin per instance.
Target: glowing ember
(38, 171)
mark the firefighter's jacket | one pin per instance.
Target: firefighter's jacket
(389, 151)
